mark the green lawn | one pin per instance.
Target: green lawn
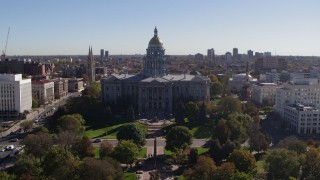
(201, 150)
(142, 153)
(110, 130)
(201, 132)
(130, 176)
(96, 152)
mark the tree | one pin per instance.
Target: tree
(224, 172)
(92, 169)
(60, 164)
(215, 150)
(5, 176)
(37, 144)
(222, 131)
(126, 152)
(82, 147)
(258, 141)
(251, 109)
(132, 132)
(93, 91)
(202, 113)
(229, 104)
(244, 161)
(293, 144)
(203, 169)
(213, 78)
(282, 163)
(154, 175)
(106, 149)
(130, 114)
(216, 89)
(72, 123)
(178, 137)
(238, 127)
(242, 176)
(228, 148)
(27, 166)
(192, 110)
(180, 113)
(311, 165)
(35, 103)
(27, 125)
(193, 156)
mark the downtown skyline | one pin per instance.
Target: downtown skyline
(288, 27)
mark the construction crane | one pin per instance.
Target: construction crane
(4, 51)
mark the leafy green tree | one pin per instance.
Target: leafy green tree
(132, 132)
(213, 78)
(229, 104)
(37, 144)
(311, 165)
(203, 169)
(27, 125)
(293, 144)
(92, 169)
(93, 91)
(35, 103)
(6, 176)
(60, 164)
(237, 129)
(178, 137)
(72, 123)
(242, 176)
(82, 147)
(126, 152)
(203, 113)
(106, 149)
(180, 113)
(224, 172)
(251, 109)
(215, 150)
(282, 163)
(192, 111)
(244, 161)
(27, 166)
(228, 148)
(130, 114)
(154, 175)
(258, 141)
(193, 156)
(216, 89)
(222, 131)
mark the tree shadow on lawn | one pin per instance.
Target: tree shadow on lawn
(108, 132)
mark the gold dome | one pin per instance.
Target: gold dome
(155, 40)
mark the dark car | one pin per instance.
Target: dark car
(14, 140)
(97, 140)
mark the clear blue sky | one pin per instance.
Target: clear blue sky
(57, 27)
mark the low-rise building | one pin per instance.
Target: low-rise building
(264, 93)
(43, 91)
(15, 96)
(75, 84)
(238, 81)
(60, 88)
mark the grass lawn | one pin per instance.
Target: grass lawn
(201, 132)
(130, 176)
(111, 131)
(96, 152)
(201, 150)
(142, 153)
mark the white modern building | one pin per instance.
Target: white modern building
(43, 91)
(15, 97)
(264, 93)
(298, 102)
(237, 82)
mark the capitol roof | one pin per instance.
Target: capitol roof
(155, 40)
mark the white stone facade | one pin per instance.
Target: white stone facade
(43, 91)
(15, 94)
(264, 93)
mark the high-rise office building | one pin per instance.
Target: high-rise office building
(250, 54)
(102, 53)
(15, 96)
(235, 52)
(210, 53)
(106, 54)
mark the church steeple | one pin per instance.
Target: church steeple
(90, 67)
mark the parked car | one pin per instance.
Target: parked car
(97, 140)
(14, 140)
(9, 147)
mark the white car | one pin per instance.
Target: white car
(9, 147)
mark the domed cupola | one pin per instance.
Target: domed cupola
(154, 62)
(155, 40)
